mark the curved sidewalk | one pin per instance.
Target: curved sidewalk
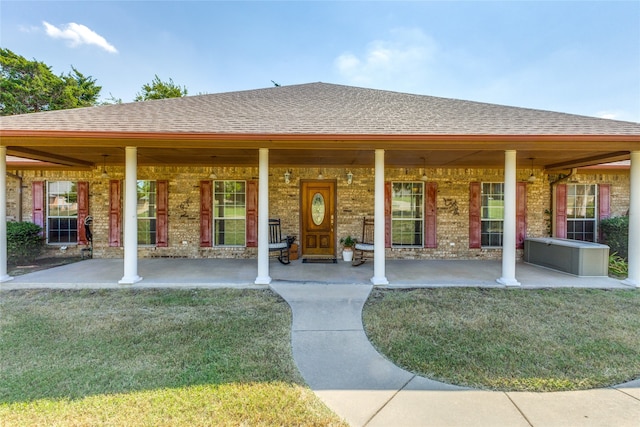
(354, 380)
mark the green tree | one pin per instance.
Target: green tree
(111, 100)
(30, 86)
(158, 89)
(82, 90)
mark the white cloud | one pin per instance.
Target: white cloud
(78, 34)
(625, 115)
(28, 29)
(404, 56)
(607, 115)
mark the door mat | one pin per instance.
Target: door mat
(330, 260)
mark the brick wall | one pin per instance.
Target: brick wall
(353, 203)
(13, 198)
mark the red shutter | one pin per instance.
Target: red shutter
(604, 203)
(475, 206)
(252, 214)
(162, 214)
(115, 213)
(83, 210)
(521, 214)
(430, 211)
(206, 219)
(561, 211)
(38, 203)
(387, 214)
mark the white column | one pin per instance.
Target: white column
(130, 218)
(379, 277)
(633, 278)
(4, 277)
(263, 219)
(509, 225)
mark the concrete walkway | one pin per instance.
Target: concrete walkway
(335, 356)
(354, 380)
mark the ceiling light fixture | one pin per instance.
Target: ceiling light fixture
(532, 177)
(104, 166)
(424, 170)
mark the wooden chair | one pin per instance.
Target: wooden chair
(277, 243)
(363, 249)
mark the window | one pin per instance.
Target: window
(146, 209)
(407, 214)
(581, 211)
(62, 212)
(229, 213)
(492, 216)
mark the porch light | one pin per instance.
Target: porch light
(349, 178)
(532, 177)
(104, 175)
(424, 170)
(287, 177)
(320, 176)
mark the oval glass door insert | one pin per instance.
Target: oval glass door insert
(317, 209)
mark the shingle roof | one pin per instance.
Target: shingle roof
(317, 109)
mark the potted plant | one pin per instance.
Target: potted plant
(347, 248)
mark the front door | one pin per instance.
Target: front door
(317, 214)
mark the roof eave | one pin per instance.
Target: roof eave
(9, 135)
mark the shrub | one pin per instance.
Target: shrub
(615, 233)
(24, 242)
(618, 267)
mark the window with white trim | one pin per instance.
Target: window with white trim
(492, 216)
(582, 208)
(146, 210)
(62, 212)
(229, 213)
(407, 214)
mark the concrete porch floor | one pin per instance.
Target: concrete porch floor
(168, 272)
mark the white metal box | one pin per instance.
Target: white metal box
(570, 256)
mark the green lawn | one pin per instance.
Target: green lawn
(542, 340)
(151, 357)
(223, 357)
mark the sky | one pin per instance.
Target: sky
(579, 57)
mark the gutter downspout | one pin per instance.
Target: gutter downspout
(20, 197)
(574, 171)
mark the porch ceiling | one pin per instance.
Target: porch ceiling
(87, 151)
